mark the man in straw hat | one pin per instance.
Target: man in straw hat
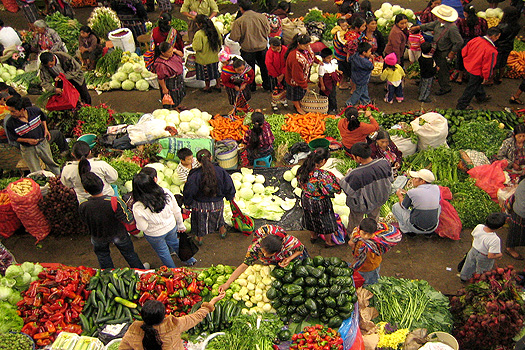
(447, 42)
(418, 209)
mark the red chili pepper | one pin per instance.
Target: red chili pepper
(144, 297)
(73, 328)
(169, 286)
(50, 327)
(30, 328)
(67, 317)
(56, 318)
(47, 310)
(76, 300)
(163, 296)
(42, 335)
(38, 301)
(192, 288)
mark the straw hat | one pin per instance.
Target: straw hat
(445, 12)
(423, 174)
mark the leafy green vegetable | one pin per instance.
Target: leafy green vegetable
(314, 15)
(179, 24)
(125, 170)
(9, 319)
(442, 161)
(7, 181)
(67, 28)
(411, 304)
(331, 129)
(469, 136)
(282, 137)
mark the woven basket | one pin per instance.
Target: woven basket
(228, 159)
(312, 102)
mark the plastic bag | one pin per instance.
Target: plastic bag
(27, 210)
(187, 247)
(233, 46)
(290, 28)
(449, 222)
(490, 178)
(170, 145)
(405, 145)
(433, 132)
(68, 99)
(146, 130)
(349, 329)
(9, 222)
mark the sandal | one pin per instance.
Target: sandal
(515, 101)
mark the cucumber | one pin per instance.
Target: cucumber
(120, 312)
(101, 297)
(127, 313)
(104, 319)
(112, 289)
(100, 310)
(122, 290)
(93, 282)
(132, 289)
(117, 320)
(84, 322)
(125, 302)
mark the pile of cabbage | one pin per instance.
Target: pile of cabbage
(491, 13)
(17, 279)
(256, 200)
(387, 14)
(255, 282)
(192, 122)
(9, 72)
(131, 74)
(338, 202)
(223, 23)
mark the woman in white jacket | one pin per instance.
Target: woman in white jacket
(159, 216)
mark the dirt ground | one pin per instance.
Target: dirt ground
(433, 259)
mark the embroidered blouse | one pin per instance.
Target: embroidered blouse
(322, 184)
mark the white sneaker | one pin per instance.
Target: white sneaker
(146, 266)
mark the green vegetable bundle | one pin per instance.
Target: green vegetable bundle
(442, 161)
(95, 120)
(179, 24)
(411, 304)
(331, 129)
(288, 138)
(318, 288)
(68, 29)
(6, 181)
(219, 319)
(102, 21)
(480, 136)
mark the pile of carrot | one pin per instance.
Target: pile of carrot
(516, 65)
(310, 125)
(4, 198)
(225, 128)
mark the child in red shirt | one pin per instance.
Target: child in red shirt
(276, 65)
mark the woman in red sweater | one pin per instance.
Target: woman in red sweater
(276, 65)
(352, 130)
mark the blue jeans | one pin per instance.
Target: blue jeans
(360, 94)
(370, 277)
(124, 245)
(402, 216)
(162, 245)
(396, 91)
(475, 263)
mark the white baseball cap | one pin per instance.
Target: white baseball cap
(423, 174)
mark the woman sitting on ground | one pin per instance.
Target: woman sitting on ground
(513, 151)
(258, 141)
(89, 47)
(383, 147)
(352, 130)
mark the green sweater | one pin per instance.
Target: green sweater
(203, 53)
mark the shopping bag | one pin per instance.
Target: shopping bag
(9, 222)
(131, 228)
(490, 178)
(449, 222)
(187, 247)
(68, 99)
(240, 221)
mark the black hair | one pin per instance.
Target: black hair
(272, 244)
(426, 47)
(363, 47)
(150, 171)
(326, 52)
(351, 114)
(284, 5)
(341, 21)
(237, 62)
(400, 17)
(153, 313)
(246, 5)
(519, 129)
(209, 182)
(18, 102)
(471, 19)
(357, 22)
(298, 39)
(46, 57)
(146, 191)
(493, 31)
(275, 41)
(368, 225)
(511, 15)
(388, 66)
(87, 29)
(207, 25)
(314, 158)
(92, 183)
(183, 153)
(383, 135)
(161, 48)
(1, 22)
(495, 220)
(361, 149)
(365, 6)
(255, 136)
(370, 19)
(81, 151)
(164, 22)
(179, 199)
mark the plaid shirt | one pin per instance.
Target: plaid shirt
(265, 140)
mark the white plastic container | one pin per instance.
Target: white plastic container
(123, 39)
(118, 340)
(153, 81)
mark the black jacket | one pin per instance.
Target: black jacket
(192, 191)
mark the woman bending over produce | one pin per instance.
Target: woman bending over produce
(164, 32)
(516, 236)
(352, 130)
(272, 245)
(258, 141)
(318, 186)
(512, 150)
(73, 171)
(158, 332)
(159, 216)
(204, 193)
(383, 147)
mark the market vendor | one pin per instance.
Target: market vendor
(418, 209)
(89, 47)
(157, 329)
(352, 130)
(257, 141)
(383, 147)
(272, 245)
(46, 39)
(512, 150)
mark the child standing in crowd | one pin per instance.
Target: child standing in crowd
(415, 39)
(276, 65)
(236, 77)
(428, 70)
(187, 162)
(369, 242)
(362, 68)
(339, 32)
(258, 141)
(393, 73)
(329, 76)
(486, 247)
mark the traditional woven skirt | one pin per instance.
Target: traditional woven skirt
(177, 90)
(207, 72)
(295, 93)
(319, 215)
(516, 235)
(136, 26)
(30, 11)
(232, 95)
(206, 217)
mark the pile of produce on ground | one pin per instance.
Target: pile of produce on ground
(489, 312)
(188, 122)
(410, 304)
(102, 21)
(131, 74)
(319, 336)
(15, 341)
(315, 288)
(219, 319)
(443, 162)
(387, 14)
(255, 283)
(68, 29)
(215, 276)
(107, 65)
(492, 15)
